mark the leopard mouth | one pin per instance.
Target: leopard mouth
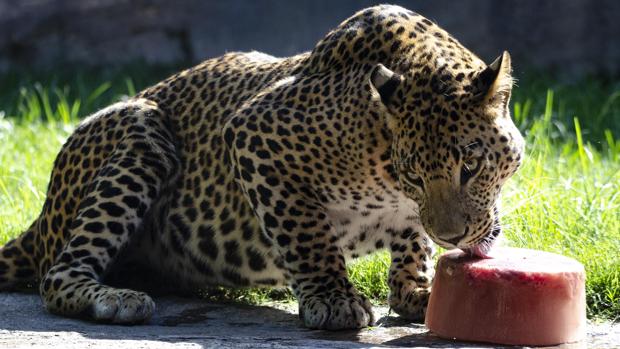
(481, 247)
(481, 250)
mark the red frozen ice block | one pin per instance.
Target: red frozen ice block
(517, 297)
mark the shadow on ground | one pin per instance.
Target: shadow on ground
(194, 323)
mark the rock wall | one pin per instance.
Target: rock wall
(574, 36)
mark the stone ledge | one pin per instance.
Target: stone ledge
(573, 36)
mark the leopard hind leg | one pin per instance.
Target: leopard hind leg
(142, 164)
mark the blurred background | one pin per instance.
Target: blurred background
(574, 36)
(61, 60)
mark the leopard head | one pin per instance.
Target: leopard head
(454, 144)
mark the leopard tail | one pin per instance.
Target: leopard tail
(17, 262)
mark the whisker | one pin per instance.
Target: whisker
(473, 144)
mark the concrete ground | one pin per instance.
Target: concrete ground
(192, 323)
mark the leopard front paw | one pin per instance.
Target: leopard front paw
(122, 306)
(333, 311)
(410, 302)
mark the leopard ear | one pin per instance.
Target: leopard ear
(494, 84)
(385, 82)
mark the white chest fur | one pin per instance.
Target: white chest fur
(363, 226)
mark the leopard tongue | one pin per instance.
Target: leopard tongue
(480, 250)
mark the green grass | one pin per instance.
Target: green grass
(565, 198)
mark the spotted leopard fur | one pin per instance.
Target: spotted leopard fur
(253, 170)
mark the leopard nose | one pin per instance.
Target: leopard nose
(456, 240)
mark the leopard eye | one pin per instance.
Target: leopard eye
(471, 163)
(469, 169)
(413, 179)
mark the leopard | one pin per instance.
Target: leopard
(249, 170)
